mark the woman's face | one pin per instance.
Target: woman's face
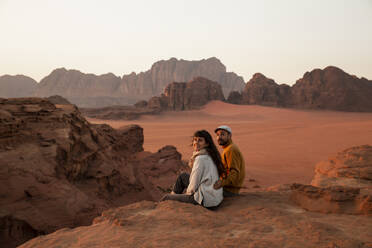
(198, 143)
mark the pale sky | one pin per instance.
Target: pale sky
(279, 38)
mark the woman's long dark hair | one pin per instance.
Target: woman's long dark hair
(211, 149)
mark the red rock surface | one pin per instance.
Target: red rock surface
(335, 199)
(262, 219)
(351, 168)
(57, 170)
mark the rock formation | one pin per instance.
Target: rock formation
(57, 170)
(89, 90)
(351, 168)
(263, 91)
(56, 99)
(330, 88)
(191, 95)
(164, 72)
(343, 184)
(261, 219)
(16, 86)
(287, 216)
(176, 97)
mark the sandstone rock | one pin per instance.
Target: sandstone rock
(261, 90)
(56, 99)
(335, 199)
(164, 72)
(260, 219)
(235, 97)
(89, 90)
(16, 86)
(191, 95)
(57, 170)
(351, 167)
(332, 88)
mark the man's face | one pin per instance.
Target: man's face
(223, 137)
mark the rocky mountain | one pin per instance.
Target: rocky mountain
(89, 90)
(261, 90)
(330, 88)
(282, 216)
(58, 170)
(16, 86)
(176, 97)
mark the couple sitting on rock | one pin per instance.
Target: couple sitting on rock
(212, 176)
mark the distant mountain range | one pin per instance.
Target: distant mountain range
(89, 90)
(330, 88)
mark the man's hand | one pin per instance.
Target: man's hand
(217, 184)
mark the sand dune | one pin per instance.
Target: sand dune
(279, 145)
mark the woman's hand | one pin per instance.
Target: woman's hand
(217, 184)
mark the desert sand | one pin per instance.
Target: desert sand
(279, 145)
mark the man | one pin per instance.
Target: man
(233, 162)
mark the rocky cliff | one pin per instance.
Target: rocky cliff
(17, 86)
(176, 97)
(57, 170)
(164, 72)
(330, 88)
(284, 216)
(89, 90)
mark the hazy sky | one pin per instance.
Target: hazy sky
(279, 38)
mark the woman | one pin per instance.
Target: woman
(206, 168)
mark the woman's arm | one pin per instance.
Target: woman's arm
(196, 175)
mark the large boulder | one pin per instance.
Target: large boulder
(351, 167)
(57, 170)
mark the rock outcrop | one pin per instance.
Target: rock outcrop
(56, 99)
(335, 199)
(330, 88)
(343, 184)
(57, 170)
(164, 72)
(351, 168)
(261, 219)
(176, 97)
(89, 90)
(191, 95)
(261, 90)
(16, 86)
(333, 89)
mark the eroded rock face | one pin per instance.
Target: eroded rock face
(335, 199)
(260, 219)
(57, 170)
(191, 95)
(56, 99)
(330, 88)
(164, 72)
(334, 89)
(89, 90)
(351, 167)
(17, 86)
(261, 90)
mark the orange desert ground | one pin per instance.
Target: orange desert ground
(279, 145)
